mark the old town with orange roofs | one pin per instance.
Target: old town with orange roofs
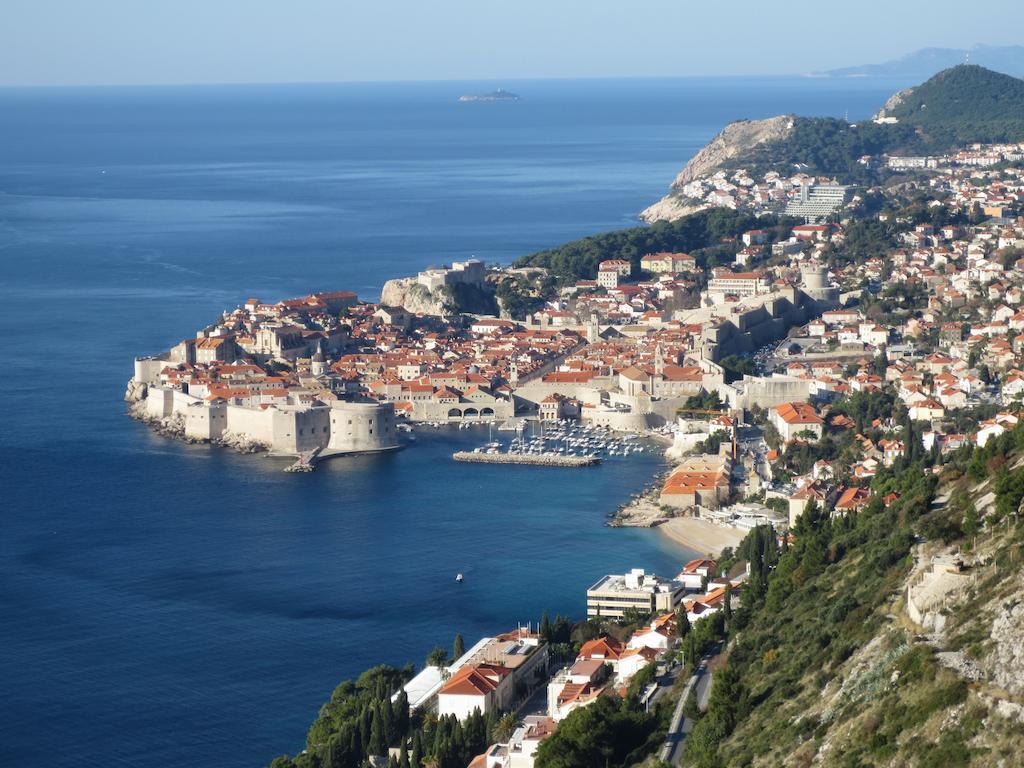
(787, 376)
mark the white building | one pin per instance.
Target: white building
(791, 419)
(613, 595)
(487, 680)
(694, 573)
(608, 278)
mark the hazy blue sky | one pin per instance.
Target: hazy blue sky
(203, 41)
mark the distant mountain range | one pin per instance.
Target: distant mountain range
(1008, 59)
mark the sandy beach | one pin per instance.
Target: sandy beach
(702, 536)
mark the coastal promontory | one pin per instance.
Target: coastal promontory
(732, 142)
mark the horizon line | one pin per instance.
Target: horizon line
(551, 78)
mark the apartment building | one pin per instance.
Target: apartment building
(613, 595)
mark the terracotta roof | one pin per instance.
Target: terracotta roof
(478, 679)
(605, 647)
(798, 413)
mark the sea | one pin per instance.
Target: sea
(163, 604)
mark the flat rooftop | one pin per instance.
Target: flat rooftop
(618, 583)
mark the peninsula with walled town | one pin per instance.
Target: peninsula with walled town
(753, 342)
(837, 361)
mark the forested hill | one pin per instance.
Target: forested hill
(957, 106)
(963, 104)
(700, 235)
(893, 636)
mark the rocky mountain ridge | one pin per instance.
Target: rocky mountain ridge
(735, 140)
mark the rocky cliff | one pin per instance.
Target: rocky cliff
(894, 101)
(735, 140)
(414, 297)
(671, 207)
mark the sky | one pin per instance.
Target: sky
(134, 42)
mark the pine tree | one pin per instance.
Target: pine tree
(970, 524)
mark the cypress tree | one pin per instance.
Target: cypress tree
(365, 719)
(355, 747)
(490, 724)
(403, 755)
(387, 723)
(401, 715)
(682, 622)
(459, 745)
(439, 735)
(458, 647)
(416, 759)
(378, 744)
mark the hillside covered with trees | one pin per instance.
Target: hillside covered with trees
(957, 106)
(961, 105)
(701, 235)
(824, 665)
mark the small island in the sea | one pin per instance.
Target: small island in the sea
(498, 95)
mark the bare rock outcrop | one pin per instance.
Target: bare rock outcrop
(413, 296)
(733, 141)
(894, 101)
(1005, 662)
(670, 208)
(135, 391)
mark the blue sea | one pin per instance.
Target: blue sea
(172, 605)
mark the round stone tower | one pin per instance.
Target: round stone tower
(362, 427)
(814, 283)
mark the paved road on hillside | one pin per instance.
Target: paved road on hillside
(672, 749)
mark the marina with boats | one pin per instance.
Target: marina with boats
(561, 443)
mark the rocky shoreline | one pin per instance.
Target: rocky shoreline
(174, 426)
(643, 510)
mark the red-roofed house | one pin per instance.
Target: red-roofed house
(486, 687)
(790, 419)
(694, 572)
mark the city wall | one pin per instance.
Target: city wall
(764, 391)
(342, 427)
(744, 332)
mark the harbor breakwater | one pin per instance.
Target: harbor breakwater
(526, 458)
